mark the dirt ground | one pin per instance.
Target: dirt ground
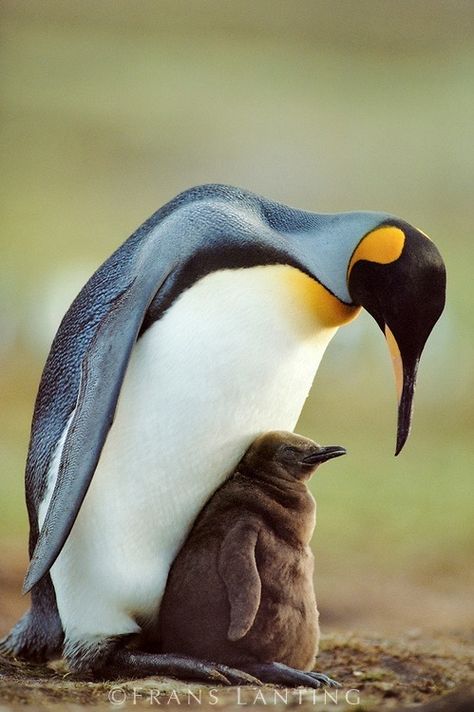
(376, 674)
(402, 668)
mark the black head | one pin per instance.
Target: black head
(397, 274)
(288, 455)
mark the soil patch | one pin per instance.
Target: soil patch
(376, 674)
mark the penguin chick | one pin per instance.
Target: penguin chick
(240, 590)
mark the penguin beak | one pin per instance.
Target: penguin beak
(405, 406)
(323, 453)
(405, 380)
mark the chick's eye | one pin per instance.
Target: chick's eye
(288, 450)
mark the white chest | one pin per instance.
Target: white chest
(233, 357)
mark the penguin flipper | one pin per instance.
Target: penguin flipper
(102, 372)
(238, 569)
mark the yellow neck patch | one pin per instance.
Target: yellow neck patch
(316, 299)
(383, 245)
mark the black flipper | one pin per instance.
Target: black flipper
(102, 373)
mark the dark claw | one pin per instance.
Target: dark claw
(324, 679)
(207, 672)
(237, 677)
(279, 674)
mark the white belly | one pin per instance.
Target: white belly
(233, 357)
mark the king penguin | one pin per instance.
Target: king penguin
(241, 588)
(202, 331)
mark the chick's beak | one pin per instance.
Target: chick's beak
(323, 453)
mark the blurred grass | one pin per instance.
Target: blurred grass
(111, 108)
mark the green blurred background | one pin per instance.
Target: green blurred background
(110, 108)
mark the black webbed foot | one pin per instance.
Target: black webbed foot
(279, 674)
(133, 663)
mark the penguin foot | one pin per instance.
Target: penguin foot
(279, 674)
(134, 663)
(33, 640)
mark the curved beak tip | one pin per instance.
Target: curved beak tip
(400, 443)
(405, 411)
(404, 422)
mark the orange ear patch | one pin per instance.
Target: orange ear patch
(383, 245)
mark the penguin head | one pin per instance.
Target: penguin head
(397, 274)
(287, 455)
(376, 261)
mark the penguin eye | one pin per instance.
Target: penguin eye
(290, 451)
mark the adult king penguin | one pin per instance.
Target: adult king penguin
(203, 330)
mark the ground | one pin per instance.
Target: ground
(376, 674)
(399, 669)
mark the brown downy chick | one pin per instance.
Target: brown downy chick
(240, 590)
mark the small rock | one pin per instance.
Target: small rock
(384, 686)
